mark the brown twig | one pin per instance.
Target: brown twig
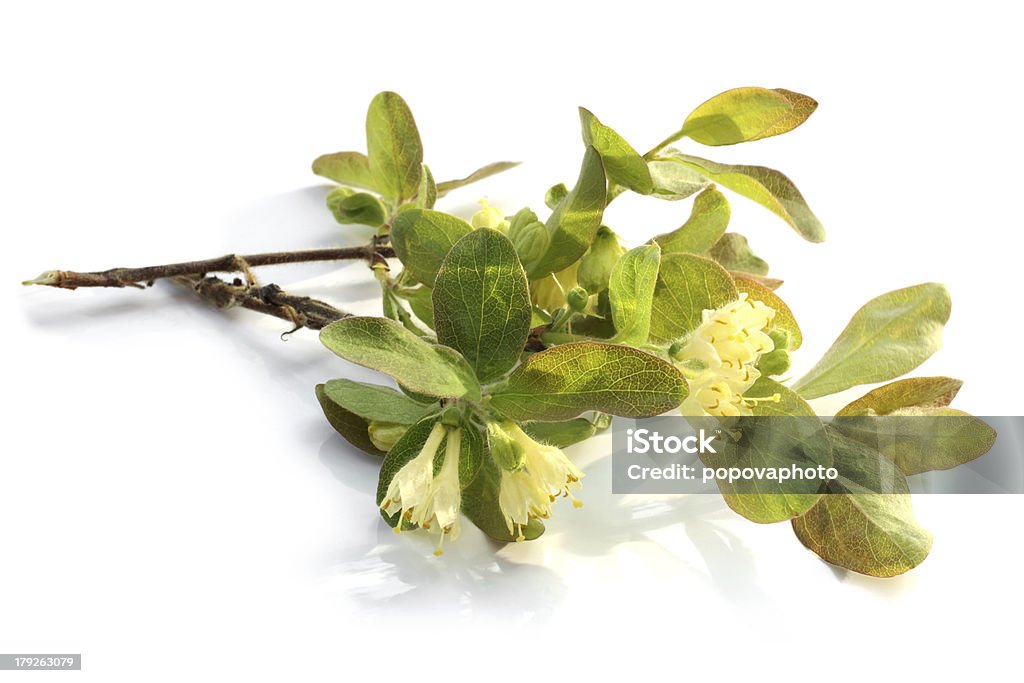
(301, 311)
(231, 263)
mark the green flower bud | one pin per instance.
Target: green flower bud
(452, 416)
(780, 337)
(555, 194)
(531, 242)
(597, 264)
(523, 218)
(349, 206)
(774, 362)
(504, 449)
(384, 435)
(577, 299)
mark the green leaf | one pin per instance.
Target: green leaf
(426, 195)
(913, 392)
(396, 153)
(560, 434)
(922, 439)
(793, 435)
(631, 292)
(733, 252)
(385, 346)
(673, 180)
(480, 504)
(421, 302)
(360, 208)
(622, 163)
(353, 428)
(766, 186)
(482, 303)
(707, 222)
(746, 114)
(784, 319)
(575, 221)
(346, 168)
(373, 402)
(854, 526)
(889, 336)
(422, 238)
(687, 286)
(487, 171)
(565, 381)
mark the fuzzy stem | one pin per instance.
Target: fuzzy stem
(231, 263)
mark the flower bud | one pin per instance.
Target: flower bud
(531, 242)
(780, 337)
(597, 264)
(522, 218)
(774, 363)
(384, 435)
(555, 194)
(577, 299)
(349, 206)
(505, 451)
(451, 416)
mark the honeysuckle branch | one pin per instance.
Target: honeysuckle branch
(301, 311)
(230, 263)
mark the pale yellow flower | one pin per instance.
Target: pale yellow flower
(720, 356)
(489, 217)
(423, 499)
(530, 491)
(549, 292)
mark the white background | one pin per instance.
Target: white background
(172, 503)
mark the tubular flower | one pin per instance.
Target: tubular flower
(529, 491)
(720, 356)
(549, 292)
(424, 499)
(489, 217)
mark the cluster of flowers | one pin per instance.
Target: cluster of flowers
(719, 360)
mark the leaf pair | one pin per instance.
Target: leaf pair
(394, 163)
(393, 166)
(732, 117)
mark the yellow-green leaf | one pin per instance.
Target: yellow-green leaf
(482, 303)
(423, 237)
(565, 381)
(622, 163)
(575, 220)
(631, 291)
(346, 168)
(766, 186)
(865, 522)
(912, 392)
(890, 335)
(487, 171)
(687, 286)
(708, 220)
(385, 346)
(746, 114)
(395, 150)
